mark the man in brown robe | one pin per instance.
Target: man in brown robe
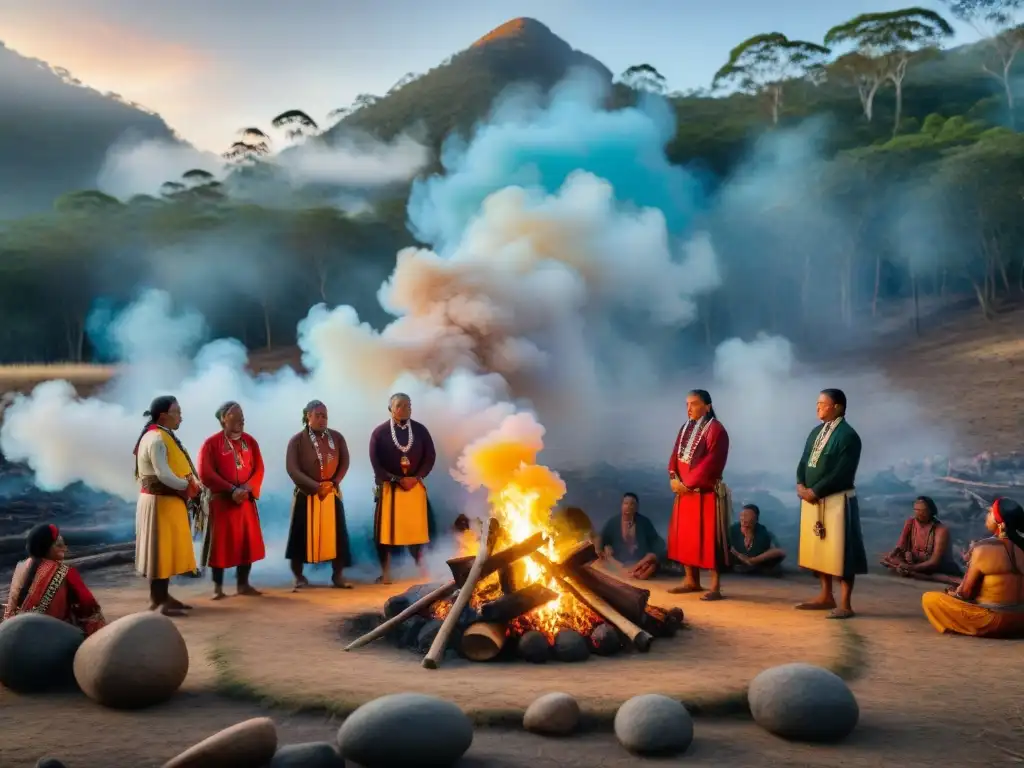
(317, 461)
(402, 455)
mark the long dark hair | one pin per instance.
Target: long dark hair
(929, 502)
(705, 397)
(1009, 513)
(37, 544)
(159, 407)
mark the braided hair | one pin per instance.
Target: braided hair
(311, 406)
(159, 407)
(37, 544)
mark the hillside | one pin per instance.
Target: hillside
(55, 132)
(453, 96)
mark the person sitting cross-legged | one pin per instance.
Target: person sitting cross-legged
(755, 548)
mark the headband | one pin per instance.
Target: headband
(996, 513)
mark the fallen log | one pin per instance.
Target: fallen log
(662, 623)
(424, 602)
(103, 560)
(433, 658)
(629, 600)
(581, 555)
(483, 641)
(508, 607)
(461, 566)
(640, 638)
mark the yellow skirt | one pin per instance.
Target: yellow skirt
(824, 555)
(163, 537)
(321, 529)
(951, 615)
(402, 516)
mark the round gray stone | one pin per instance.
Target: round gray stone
(571, 646)
(315, 754)
(406, 729)
(605, 640)
(802, 702)
(49, 762)
(652, 724)
(554, 714)
(37, 652)
(534, 647)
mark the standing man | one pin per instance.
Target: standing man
(698, 533)
(231, 469)
(402, 455)
(317, 460)
(831, 543)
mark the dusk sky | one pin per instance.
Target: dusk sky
(210, 67)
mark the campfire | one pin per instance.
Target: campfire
(528, 586)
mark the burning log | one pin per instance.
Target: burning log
(461, 566)
(639, 637)
(625, 598)
(424, 602)
(582, 555)
(483, 641)
(433, 658)
(508, 607)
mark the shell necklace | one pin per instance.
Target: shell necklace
(316, 446)
(696, 435)
(394, 437)
(821, 441)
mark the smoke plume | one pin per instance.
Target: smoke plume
(563, 245)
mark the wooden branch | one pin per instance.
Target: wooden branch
(424, 602)
(979, 484)
(461, 566)
(508, 607)
(639, 637)
(433, 658)
(583, 554)
(627, 599)
(483, 641)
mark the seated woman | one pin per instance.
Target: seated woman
(629, 542)
(755, 548)
(45, 584)
(924, 550)
(989, 602)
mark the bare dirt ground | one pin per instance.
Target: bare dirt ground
(925, 699)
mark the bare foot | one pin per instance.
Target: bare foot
(248, 590)
(300, 583)
(176, 604)
(684, 589)
(168, 610)
(384, 578)
(218, 594)
(712, 597)
(336, 584)
(816, 605)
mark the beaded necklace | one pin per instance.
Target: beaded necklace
(316, 446)
(696, 435)
(821, 441)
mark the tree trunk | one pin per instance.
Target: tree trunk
(869, 105)
(878, 282)
(776, 94)
(899, 106)
(266, 323)
(917, 305)
(982, 299)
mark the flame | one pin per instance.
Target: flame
(522, 494)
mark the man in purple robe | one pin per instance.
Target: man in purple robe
(402, 455)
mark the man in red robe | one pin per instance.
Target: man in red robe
(231, 468)
(698, 532)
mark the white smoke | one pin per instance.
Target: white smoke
(135, 166)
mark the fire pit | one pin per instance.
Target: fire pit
(524, 596)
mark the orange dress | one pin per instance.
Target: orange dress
(998, 609)
(57, 590)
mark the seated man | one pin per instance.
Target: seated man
(629, 542)
(755, 547)
(924, 550)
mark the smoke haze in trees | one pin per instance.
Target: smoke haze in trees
(564, 243)
(136, 166)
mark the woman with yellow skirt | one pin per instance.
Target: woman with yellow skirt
(167, 482)
(990, 600)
